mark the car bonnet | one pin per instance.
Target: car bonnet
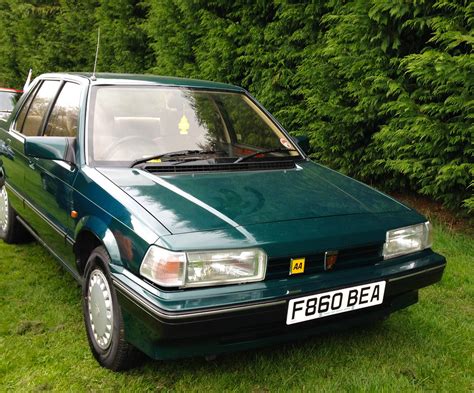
(188, 202)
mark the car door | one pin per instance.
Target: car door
(51, 181)
(27, 122)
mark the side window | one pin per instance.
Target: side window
(64, 117)
(21, 117)
(38, 108)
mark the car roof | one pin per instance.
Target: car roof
(126, 79)
(10, 90)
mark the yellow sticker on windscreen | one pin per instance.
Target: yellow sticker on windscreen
(297, 266)
(183, 125)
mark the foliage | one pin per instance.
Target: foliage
(123, 43)
(384, 90)
(28, 28)
(428, 138)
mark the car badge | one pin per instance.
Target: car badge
(330, 258)
(297, 266)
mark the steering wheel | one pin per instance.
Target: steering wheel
(132, 142)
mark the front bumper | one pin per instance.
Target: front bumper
(215, 320)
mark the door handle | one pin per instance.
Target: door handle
(32, 162)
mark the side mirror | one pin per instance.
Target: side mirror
(303, 142)
(51, 148)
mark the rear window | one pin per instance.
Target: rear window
(38, 108)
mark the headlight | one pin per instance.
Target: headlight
(222, 267)
(203, 268)
(407, 240)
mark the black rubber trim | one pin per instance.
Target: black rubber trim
(405, 276)
(157, 312)
(165, 316)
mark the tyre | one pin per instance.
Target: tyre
(11, 230)
(103, 317)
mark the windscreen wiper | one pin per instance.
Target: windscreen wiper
(280, 149)
(177, 153)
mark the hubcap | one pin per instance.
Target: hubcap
(100, 309)
(3, 209)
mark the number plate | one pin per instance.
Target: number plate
(335, 302)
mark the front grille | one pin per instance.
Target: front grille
(348, 258)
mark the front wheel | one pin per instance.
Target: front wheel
(11, 230)
(103, 317)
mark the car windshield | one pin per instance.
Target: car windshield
(132, 123)
(8, 100)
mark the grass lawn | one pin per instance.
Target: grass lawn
(429, 346)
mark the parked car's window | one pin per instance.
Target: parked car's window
(8, 100)
(38, 108)
(64, 117)
(128, 123)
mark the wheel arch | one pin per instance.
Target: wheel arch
(90, 233)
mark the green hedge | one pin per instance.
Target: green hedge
(384, 89)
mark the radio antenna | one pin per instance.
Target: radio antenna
(96, 54)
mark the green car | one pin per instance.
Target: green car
(194, 222)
